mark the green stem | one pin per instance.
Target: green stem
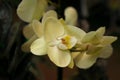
(72, 50)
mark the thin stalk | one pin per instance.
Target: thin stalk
(73, 50)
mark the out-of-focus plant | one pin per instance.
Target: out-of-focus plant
(114, 4)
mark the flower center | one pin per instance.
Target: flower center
(67, 42)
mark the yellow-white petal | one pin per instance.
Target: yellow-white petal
(71, 16)
(59, 57)
(94, 50)
(73, 30)
(89, 37)
(29, 10)
(92, 37)
(100, 32)
(50, 13)
(38, 47)
(37, 27)
(52, 29)
(26, 46)
(106, 40)
(106, 52)
(71, 65)
(85, 61)
(74, 54)
(28, 31)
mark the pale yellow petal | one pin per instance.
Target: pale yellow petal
(50, 13)
(100, 32)
(37, 27)
(94, 50)
(59, 57)
(73, 30)
(90, 37)
(94, 36)
(71, 16)
(74, 54)
(71, 65)
(106, 52)
(26, 46)
(85, 61)
(28, 31)
(106, 40)
(38, 47)
(53, 29)
(29, 10)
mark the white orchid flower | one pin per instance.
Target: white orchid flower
(34, 30)
(60, 39)
(94, 45)
(31, 32)
(29, 10)
(67, 44)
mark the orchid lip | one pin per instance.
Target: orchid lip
(67, 42)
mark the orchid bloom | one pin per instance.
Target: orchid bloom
(59, 39)
(29, 10)
(29, 31)
(34, 30)
(92, 46)
(67, 44)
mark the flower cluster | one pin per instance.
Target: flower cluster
(65, 44)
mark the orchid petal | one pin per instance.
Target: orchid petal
(74, 54)
(85, 61)
(26, 46)
(106, 40)
(100, 32)
(38, 47)
(37, 27)
(71, 65)
(61, 58)
(71, 16)
(53, 29)
(28, 31)
(91, 37)
(50, 13)
(73, 30)
(106, 52)
(94, 50)
(29, 10)
(94, 36)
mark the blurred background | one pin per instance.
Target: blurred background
(17, 65)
